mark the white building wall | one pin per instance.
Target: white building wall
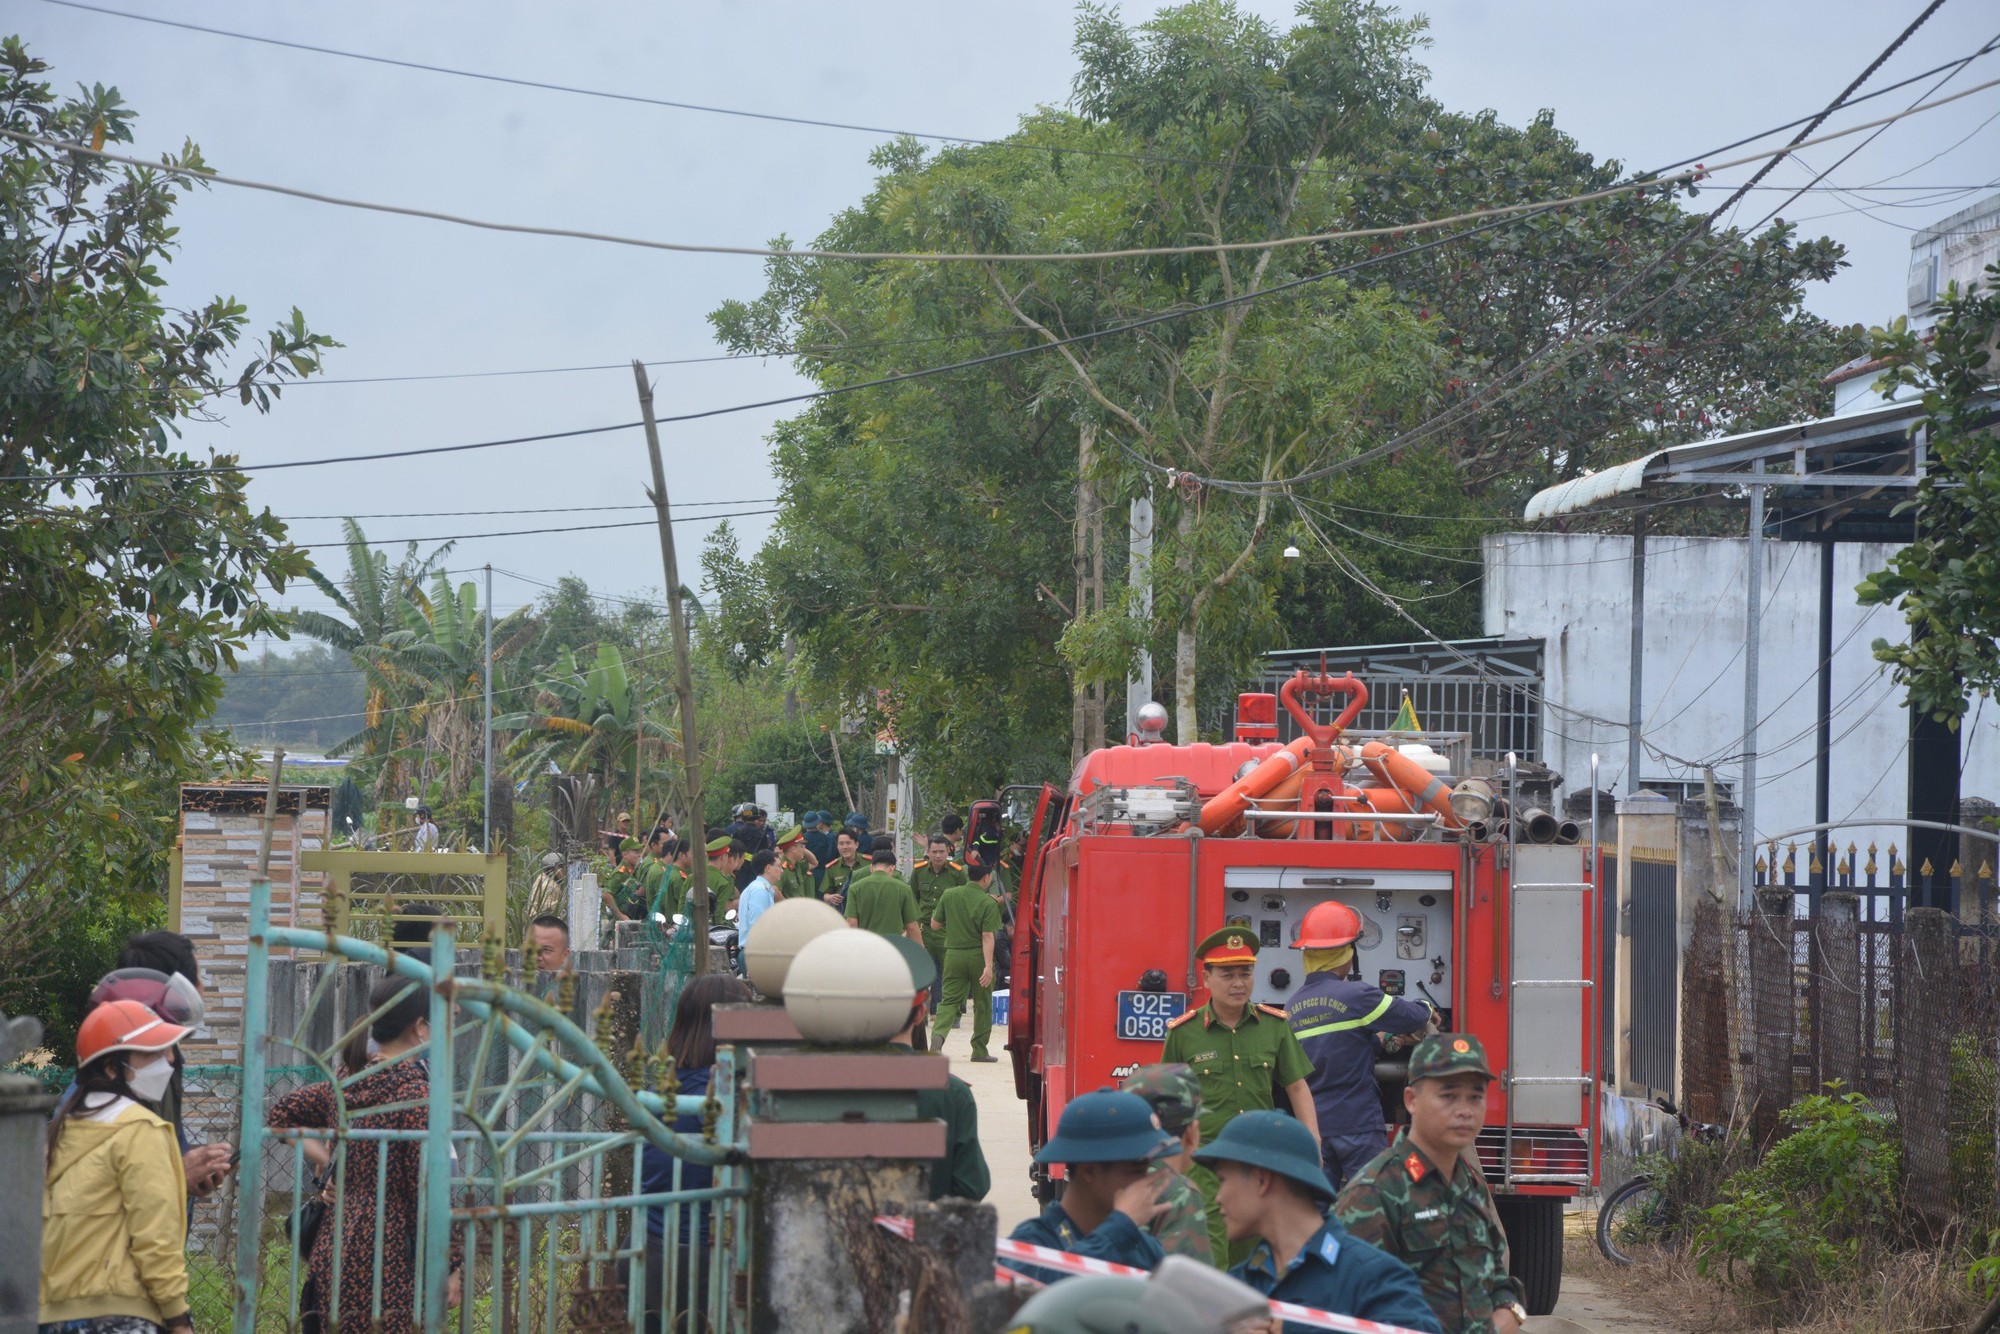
(1574, 593)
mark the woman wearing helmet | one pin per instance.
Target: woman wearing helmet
(114, 1202)
(174, 997)
(1336, 1018)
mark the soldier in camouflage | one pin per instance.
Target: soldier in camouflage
(1424, 1202)
(1174, 1094)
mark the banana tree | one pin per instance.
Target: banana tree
(587, 719)
(372, 595)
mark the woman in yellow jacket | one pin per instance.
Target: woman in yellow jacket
(114, 1203)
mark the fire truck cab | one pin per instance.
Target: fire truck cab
(1469, 899)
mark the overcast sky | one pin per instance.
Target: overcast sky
(1646, 84)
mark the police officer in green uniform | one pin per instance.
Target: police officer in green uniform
(962, 1173)
(881, 902)
(724, 856)
(797, 882)
(967, 918)
(1174, 1094)
(930, 878)
(1244, 1055)
(622, 891)
(1424, 1202)
(670, 887)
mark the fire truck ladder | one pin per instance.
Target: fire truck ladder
(1560, 918)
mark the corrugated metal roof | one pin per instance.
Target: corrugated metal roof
(1594, 489)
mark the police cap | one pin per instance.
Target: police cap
(1230, 945)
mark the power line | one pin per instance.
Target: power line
(980, 257)
(822, 123)
(558, 509)
(532, 532)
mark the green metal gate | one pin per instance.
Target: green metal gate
(549, 1223)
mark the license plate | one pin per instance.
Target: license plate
(1144, 1015)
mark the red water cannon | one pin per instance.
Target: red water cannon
(1319, 685)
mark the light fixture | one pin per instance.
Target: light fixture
(1291, 553)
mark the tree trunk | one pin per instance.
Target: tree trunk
(1080, 694)
(1184, 729)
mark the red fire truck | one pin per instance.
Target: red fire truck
(1469, 898)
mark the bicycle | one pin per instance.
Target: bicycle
(1637, 1222)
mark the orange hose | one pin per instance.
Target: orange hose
(1427, 792)
(1286, 791)
(1226, 807)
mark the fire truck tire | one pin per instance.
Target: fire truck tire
(1534, 1226)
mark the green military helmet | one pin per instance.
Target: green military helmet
(1446, 1054)
(1275, 1142)
(1173, 1091)
(1093, 1304)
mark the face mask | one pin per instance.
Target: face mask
(150, 1082)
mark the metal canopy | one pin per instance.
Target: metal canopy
(1836, 479)
(1873, 450)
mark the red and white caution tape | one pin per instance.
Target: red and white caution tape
(1047, 1257)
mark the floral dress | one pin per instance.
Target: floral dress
(314, 1106)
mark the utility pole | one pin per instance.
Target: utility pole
(486, 806)
(683, 675)
(1139, 689)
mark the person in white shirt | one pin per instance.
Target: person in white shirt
(426, 837)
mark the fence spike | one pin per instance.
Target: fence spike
(1791, 858)
(1956, 871)
(1985, 869)
(1760, 864)
(1870, 867)
(1815, 866)
(1927, 870)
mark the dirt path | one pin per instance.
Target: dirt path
(1003, 1133)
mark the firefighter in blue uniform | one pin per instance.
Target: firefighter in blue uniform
(1108, 1140)
(1336, 1019)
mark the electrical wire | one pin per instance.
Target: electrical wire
(533, 532)
(559, 509)
(821, 123)
(1395, 230)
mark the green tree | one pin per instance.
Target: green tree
(1947, 580)
(130, 574)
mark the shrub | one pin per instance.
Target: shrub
(1805, 1212)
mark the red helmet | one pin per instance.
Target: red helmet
(124, 1025)
(169, 995)
(1328, 926)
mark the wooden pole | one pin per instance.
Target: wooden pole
(683, 674)
(841, 770)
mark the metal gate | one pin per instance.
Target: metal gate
(512, 1221)
(1654, 887)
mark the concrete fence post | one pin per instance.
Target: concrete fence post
(1926, 1009)
(24, 1118)
(1837, 975)
(1772, 1011)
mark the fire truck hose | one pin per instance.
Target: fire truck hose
(1046, 1257)
(1225, 807)
(1425, 788)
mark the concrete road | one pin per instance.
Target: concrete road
(1003, 1133)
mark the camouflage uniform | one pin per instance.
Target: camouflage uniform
(1174, 1093)
(1443, 1227)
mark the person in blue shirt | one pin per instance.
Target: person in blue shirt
(1271, 1189)
(759, 894)
(1336, 1018)
(1108, 1141)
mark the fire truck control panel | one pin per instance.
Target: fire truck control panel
(1405, 944)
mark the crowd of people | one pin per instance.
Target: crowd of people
(1255, 1143)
